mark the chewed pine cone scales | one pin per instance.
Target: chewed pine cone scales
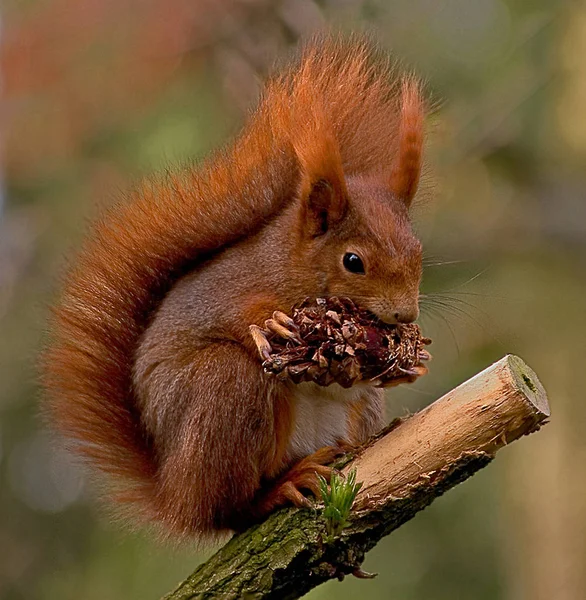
(338, 342)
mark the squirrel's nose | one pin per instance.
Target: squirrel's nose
(407, 314)
(393, 312)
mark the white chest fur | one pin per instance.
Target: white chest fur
(321, 417)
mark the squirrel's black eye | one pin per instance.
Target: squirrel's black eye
(353, 263)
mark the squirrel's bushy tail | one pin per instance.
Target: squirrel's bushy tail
(132, 256)
(136, 250)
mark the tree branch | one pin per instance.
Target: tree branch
(403, 470)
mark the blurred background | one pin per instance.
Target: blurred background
(96, 93)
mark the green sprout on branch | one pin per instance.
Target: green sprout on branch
(338, 499)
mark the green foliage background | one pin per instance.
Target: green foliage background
(96, 93)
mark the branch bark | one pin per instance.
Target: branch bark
(412, 462)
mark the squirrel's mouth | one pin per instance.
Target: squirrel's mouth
(392, 314)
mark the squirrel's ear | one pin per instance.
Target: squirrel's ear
(324, 198)
(322, 206)
(404, 177)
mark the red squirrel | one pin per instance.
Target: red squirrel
(154, 371)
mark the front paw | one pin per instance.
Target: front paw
(280, 325)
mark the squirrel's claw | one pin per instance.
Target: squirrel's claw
(285, 320)
(260, 339)
(280, 324)
(283, 326)
(410, 376)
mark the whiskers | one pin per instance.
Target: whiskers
(447, 307)
(432, 261)
(458, 305)
(433, 307)
(448, 303)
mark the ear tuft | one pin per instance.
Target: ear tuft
(323, 192)
(406, 170)
(324, 200)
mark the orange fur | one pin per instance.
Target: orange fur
(407, 168)
(199, 460)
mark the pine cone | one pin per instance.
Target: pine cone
(338, 342)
